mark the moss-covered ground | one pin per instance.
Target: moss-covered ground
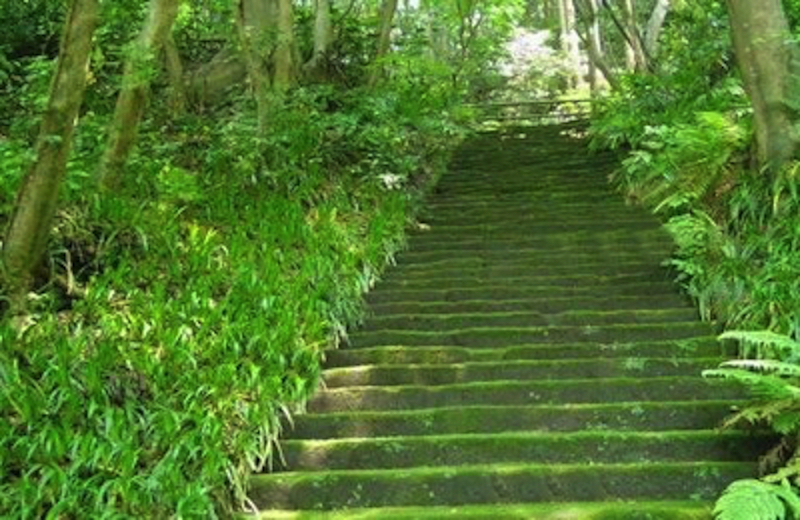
(528, 357)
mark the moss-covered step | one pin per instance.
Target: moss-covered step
(584, 447)
(547, 305)
(521, 270)
(532, 279)
(525, 370)
(515, 181)
(498, 292)
(700, 346)
(626, 416)
(612, 510)
(573, 262)
(555, 391)
(607, 204)
(526, 223)
(576, 253)
(579, 318)
(530, 228)
(504, 337)
(495, 484)
(470, 244)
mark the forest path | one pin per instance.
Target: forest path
(528, 357)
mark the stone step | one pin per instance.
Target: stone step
(442, 242)
(624, 416)
(519, 225)
(702, 346)
(504, 337)
(611, 510)
(541, 262)
(444, 322)
(608, 253)
(497, 293)
(495, 484)
(557, 391)
(521, 370)
(545, 305)
(532, 279)
(589, 447)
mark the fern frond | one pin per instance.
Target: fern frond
(770, 366)
(782, 346)
(763, 386)
(750, 499)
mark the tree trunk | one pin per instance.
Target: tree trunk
(284, 61)
(135, 82)
(323, 36)
(767, 58)
(632, 36)
(587, 11)
(388, 8)
(253, 24)
(177, 90)
(654, 26)
(569, 41)
(26, 239)
(597, 78)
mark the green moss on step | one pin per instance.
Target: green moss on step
(564, 511)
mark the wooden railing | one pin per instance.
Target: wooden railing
(536, 111)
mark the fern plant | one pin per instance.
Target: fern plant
(751, 499)
(771, 371)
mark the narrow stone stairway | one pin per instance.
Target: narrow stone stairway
(528, 357)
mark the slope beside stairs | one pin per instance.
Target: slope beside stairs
(528, 357)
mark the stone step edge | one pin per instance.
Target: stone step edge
(287, 477)
(661, 510)
(508, 314)
(616, 405)
(611, 435)
(367, 367)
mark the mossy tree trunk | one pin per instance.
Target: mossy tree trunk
(633, 39)
(254, 21)
(569, 40)
(284, 62)
(139, 68)
(388, 9)
(323, 36)
(587, 13)
(767, 58)
(29, 229)
(174, 66)
(654, 26)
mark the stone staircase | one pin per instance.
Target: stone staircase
(528, 357)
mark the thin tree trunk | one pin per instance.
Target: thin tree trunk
(135, 82)
(768, 60)
(284, 62)
(29, 229)
(569, 41)
(597, 81)
(177, 90)
(323, 36)
(654, 26)
(388, 8)
(633, 38)
(252, 24)
(587, 11)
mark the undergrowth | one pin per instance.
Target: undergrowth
(184, 318)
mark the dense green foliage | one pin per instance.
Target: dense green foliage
(181, 320)
(196, 305)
